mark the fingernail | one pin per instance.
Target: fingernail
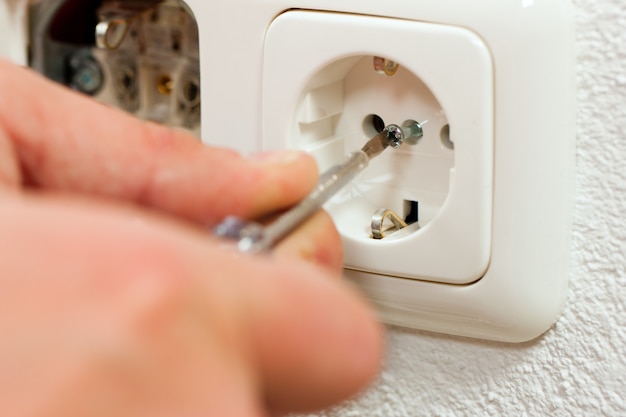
(276, 157)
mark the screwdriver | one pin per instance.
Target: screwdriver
(253, 237)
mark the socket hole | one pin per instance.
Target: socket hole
(445, 137)
(191, 91)
(411, 211)
(373, 125)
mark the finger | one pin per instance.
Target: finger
(317, 343)
(317, 241)
(309, 340)
(66, 141)
(109, 314)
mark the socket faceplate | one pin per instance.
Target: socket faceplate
(318, 102)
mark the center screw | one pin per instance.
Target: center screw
(394, 135)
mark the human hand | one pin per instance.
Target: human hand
(115, 301)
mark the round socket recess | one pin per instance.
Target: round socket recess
(321, 94)
(348, 102)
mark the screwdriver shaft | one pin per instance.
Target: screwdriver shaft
(330, 183)
(253, 237)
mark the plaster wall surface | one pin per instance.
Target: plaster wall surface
(579, 367)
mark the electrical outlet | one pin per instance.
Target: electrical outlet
(326, 100)
(488, 189)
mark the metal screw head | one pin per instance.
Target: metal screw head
(413, 132)
(85, 73)
(394, 135)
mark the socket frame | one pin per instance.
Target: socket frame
(531, 43)
(325, 93)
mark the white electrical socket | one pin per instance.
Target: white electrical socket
(323, 102)
(493, 173)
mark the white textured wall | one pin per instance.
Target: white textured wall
(579, 367)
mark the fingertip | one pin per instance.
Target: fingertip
(316, 241)
(219, 182)
(284, 177)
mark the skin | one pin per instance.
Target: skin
(114, 299)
